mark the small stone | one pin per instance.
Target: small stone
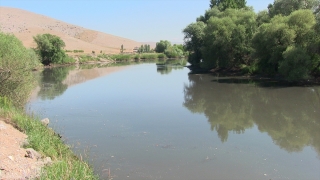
(24, 143)
(45, 121)
(11, 158)
(31, 153)
(2, 127)
(47, 161)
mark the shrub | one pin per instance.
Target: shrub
(16, 64)
(50, 49)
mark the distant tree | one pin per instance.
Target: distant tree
(121, 49)
(162, 46)
(145, 47)
(50, 48)
(148, 48)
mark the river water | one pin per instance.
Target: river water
(144, 122)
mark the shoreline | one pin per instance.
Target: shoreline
(56, 159)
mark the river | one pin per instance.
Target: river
(143, 122)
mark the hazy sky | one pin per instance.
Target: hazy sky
(139, 20)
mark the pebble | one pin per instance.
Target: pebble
(11, 158)
(45, 121)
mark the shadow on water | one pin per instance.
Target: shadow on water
(290, 116)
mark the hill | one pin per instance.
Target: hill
(24, 25)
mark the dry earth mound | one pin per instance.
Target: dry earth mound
(24, 25)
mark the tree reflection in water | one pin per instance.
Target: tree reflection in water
(290, 115)
(51, 82)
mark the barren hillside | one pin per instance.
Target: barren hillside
(24, 25)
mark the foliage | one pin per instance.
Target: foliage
(287, 43)
(77, 51)
(162, 46)
(227, 38)
(87, 57)
(121, 57)
(149, 56)
(286, 7)
(121, 49)
(16, 65)
(193, 39)
(230, 34)
(174, 52)
(144, 49)
(50, 49)
(225, 4)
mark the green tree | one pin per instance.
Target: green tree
(121, 49)
(227, 39)
(263, 17)
(145, 47)
(193, 41)
(286, 7)
(16, 64)
(225, 4)
(271, 40)
(173, 52)
(288, 45)
(162, 46)
(50, 49)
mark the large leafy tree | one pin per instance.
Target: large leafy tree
(227, 38)
(193, 39)
(225, 4)
(162, 46)
(50, 48)
(286, 7)
(287, 44)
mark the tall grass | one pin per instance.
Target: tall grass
(121, 57)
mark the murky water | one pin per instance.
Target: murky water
(144, 122)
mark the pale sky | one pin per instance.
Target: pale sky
(139, 20)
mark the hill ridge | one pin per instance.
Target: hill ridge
(25, 24)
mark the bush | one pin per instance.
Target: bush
(161, 56)
(50, 49)
(149, 56)
(16, 64)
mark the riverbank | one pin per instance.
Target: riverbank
(59, 160)
(240, 72)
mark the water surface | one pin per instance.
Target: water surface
(147, 122)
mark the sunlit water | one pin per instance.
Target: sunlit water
(147, 123)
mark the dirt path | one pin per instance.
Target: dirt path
(13, 163)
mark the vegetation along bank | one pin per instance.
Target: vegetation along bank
(283, 41)
(17, 81)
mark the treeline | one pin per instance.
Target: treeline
(283, 40)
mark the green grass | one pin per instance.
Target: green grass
(44, 140)
(121, 57)
(86, 58)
